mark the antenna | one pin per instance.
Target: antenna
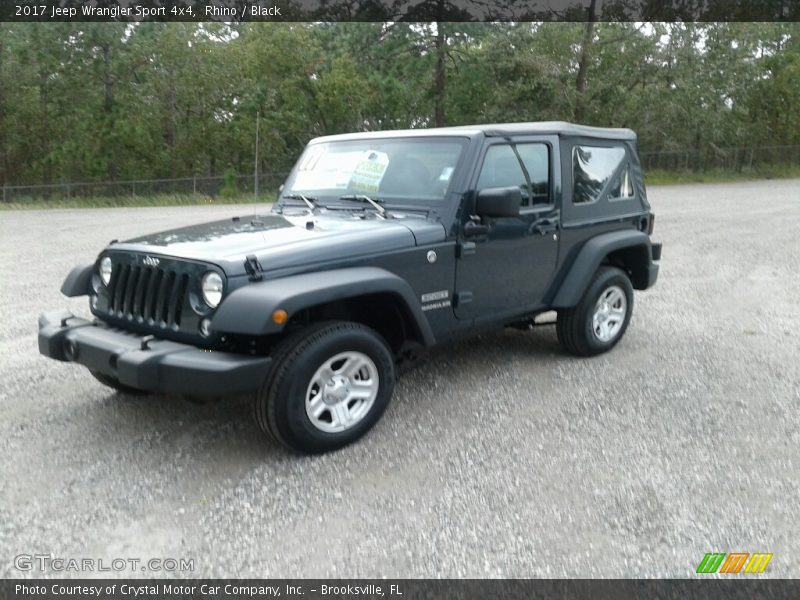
(255, 166)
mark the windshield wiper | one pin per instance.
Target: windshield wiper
(364, 198)
(310, 201)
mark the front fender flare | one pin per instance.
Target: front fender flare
(248, 310)
(78, 282)
(588, 259)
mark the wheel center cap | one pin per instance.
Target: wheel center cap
(337, 389)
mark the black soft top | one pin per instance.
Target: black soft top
(496, 130)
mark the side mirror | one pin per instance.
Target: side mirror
(498, 202)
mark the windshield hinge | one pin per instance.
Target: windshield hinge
(253, 268)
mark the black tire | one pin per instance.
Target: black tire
(114, 383)
(280, 405)
(574, 327)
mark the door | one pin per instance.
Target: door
(508, 269)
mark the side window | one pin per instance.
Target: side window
(592, 167)
(501, 168)
(622, 188)
(536, 158)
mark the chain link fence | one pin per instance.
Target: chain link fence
(734, 160)
(227, 186)
(712, 158)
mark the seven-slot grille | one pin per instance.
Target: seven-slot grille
(147, 294)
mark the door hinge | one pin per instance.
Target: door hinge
(466, 249)
(463, 298)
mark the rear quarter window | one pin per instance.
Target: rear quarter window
(592, 168)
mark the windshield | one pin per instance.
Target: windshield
(400, 169)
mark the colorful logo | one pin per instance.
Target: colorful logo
(734, 562)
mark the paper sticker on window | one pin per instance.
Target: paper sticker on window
(326, 170)
(445, 174)
(369, 172)
(311, 157)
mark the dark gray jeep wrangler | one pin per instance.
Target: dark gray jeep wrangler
(380, 244)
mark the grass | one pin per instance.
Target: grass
(659, 177)
(123, 201)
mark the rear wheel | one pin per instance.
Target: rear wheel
(114, 383)
(329, 384)
(601, 317)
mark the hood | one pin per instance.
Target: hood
(281, 242)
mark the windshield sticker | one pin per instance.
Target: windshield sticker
(446, 172)
(368, 173)
(311, 158)
(327, 170)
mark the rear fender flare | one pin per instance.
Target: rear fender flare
(248, 310)
(589, 258)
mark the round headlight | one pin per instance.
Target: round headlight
(212, 289)
(105, 270)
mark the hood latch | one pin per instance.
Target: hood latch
(253, 268)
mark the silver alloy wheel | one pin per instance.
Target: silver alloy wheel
(609, 313)
(342, 392)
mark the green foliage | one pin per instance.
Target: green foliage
(229, 187)
(99, 101)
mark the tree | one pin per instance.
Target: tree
(583, 61)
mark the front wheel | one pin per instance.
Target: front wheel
(328, 386)
(601, 317)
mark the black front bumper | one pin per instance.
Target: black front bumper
(148, 364)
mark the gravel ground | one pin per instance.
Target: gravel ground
(499, 457)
